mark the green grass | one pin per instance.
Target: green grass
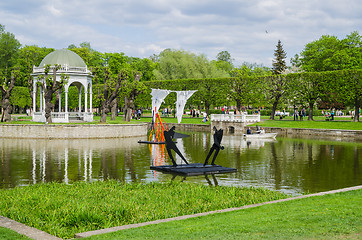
(63, 210)
(285, 123)
(336, 216)
(7, 234)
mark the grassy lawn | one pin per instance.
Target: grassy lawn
(7, 234)
(336, 216)
(317, 124)
(342, 123)
(63, 210)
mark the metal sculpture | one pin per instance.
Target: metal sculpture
(216, 146)
(170, 144)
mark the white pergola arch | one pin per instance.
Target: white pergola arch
(80, 77)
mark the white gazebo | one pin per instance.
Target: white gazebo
(78, 74)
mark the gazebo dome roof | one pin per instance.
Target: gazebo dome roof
(63, 57)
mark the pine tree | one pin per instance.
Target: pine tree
(279, 64)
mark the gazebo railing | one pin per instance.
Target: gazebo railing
(235, 118)
(64, 68)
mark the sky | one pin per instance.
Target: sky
(248, 29)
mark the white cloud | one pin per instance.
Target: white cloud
(141, 28)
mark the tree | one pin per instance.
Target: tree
(223, 61)
(308, 88)
(224, 56)
(50, 85)
(349, 88)
(179, 64)
(131, 89)
(246, 87)
(328, 53)
(9, 47)
(6, 89)
(276, 85)
(279, 64)
(145, 67)
(111, 86)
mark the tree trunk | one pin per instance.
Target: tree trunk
(128, 107)
(104, 111)
(48, 95)
(274, 108)
(356, 110)
(238, 105)
(310, 115)
(5, 100)
(6, 110)
(114, 107)
(207, 108)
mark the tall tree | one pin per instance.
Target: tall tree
(9, 47)
(279, 64)
(276, 85)
(132, 88)
(328, 53)
(246, 86)
(111, 87)
(50, 85)
(5, 90)
(179, 64)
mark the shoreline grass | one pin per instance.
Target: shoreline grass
(63, 210)
(335, 216)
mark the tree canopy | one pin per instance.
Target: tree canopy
(180, 64)
(329, 53)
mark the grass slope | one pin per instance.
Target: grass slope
(63, 210)
(336, 216)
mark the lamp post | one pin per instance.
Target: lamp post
(294, 108)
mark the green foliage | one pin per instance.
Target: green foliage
(328, 53)
(20, 96)
(9, 47)
(29, 56)
(179, 64)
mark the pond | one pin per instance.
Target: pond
(289, 165)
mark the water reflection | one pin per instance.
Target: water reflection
(288, 165)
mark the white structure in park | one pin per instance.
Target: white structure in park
(78, 74)
(158, 96)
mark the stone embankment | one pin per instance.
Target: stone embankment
(72, 131)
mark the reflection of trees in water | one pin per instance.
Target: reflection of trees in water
(289, 163)
(66, 161)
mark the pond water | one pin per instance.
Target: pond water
(292, 166)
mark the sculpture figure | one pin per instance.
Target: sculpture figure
(216, 146)
(170, 144)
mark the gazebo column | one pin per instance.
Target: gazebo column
(90, 99)
(34, 97)
(85, 100)
(60, 100)
(41, 99)
(80, 99)
(66, 102)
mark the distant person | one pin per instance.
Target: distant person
(204, 114)
(248, 131)
(262, 131)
